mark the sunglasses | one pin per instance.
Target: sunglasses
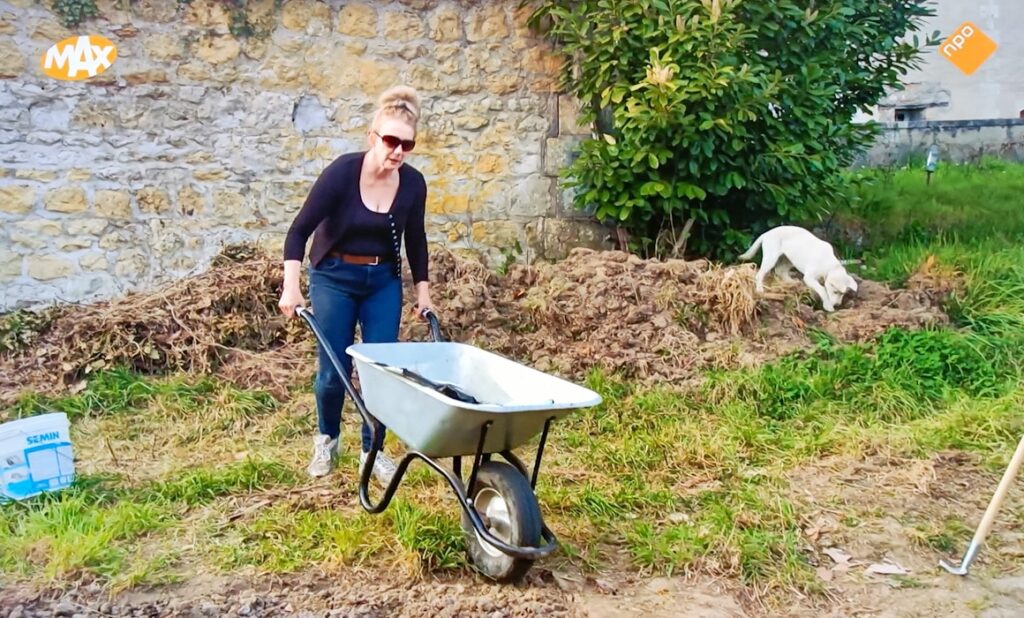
(393, 142)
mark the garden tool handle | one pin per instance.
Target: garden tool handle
(997, 499)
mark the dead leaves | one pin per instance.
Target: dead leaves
(843, 563)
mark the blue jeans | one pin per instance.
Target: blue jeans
(343, 294)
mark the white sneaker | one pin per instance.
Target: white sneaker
(324, 452)
(383, 468)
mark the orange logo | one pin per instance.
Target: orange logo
(78, 57)
(968, 47)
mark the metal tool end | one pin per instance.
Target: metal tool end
(965, 564)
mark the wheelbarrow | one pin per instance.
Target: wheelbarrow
(452, 400)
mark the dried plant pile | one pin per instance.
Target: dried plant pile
(643, 319)
(200, 324)
(637, 317)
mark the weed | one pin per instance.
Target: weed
(284, 539)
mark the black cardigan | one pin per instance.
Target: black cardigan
(324, 214)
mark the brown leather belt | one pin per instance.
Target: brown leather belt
(369, 260)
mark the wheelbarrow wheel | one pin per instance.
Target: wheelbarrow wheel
(506, 503)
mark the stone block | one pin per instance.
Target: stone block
(487, 23)
(229, 205)
(113, 204)
(131, 265)
(50, 30)
(10, 265)
(73, 244)
(569, 117)
(159, 11)
(120, 239)
(209, 15)
(559, 154)
(49, 267)
(86, 227)
(308, 16)
(66, 200)
(532, 197)
(498, 135)
(402, 26)
(445, 25)
(17, 199)
(209, 175)
(37, 175)
(12, 61)
(8, 23)
(153, 200)
(491, 164)
(497, 234)
(358, 20)
(39, 227)
(94, 261)
(190, 201)
(555, 238)
(22, 238)
(217, 49)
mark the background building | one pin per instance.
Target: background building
(941, 91)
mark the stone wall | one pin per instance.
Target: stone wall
(195, 138)
(959, 141)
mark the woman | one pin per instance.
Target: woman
(360, 207)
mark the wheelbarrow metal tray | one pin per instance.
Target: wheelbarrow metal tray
(517, 399)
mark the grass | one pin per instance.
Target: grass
(963, 203)
(703, 479)
(283, 538)
(92, 526)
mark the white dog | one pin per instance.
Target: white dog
(788, 246)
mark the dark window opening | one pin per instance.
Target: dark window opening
(906, 114)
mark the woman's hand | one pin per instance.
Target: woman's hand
(290, 299)
(423, 302)
(291, 295)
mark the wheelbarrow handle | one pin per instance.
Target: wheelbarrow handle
(435, 324)
(357, 399)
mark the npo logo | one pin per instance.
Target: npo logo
(78, 57)
(967, 47)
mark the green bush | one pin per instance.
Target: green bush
(728, 116)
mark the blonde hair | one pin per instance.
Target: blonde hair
(401, 102)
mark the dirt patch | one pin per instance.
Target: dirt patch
(875, 529)
(366, 595)
(646, 320)
(353, 593)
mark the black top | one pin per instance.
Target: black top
(328, 215)
(368, 233)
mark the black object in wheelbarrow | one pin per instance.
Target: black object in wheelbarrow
(446, 389)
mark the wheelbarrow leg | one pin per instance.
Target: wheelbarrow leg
(478, 458)
(513, 459)
(540, 452)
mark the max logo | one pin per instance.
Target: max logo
(968, 47)
(43, 437)
(78, 57)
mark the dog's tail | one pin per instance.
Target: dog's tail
(753, 249)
